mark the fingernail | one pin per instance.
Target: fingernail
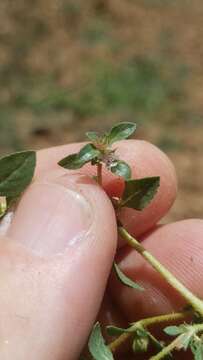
(51, 216)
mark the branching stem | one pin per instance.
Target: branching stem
(176, 343)
(167, 350)
(144, 323)
(194, 301)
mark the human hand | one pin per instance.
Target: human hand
(57, 254)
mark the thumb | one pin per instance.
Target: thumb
(67, 225)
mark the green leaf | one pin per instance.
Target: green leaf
(121, 131)
(92, 136)
(71, 162)
(140, 344)
(85, 155)
(139, 193)
(125, 280)
(186, 340)
(199, 353)
(6, 203)
(96, 345)
(88, 153)
(197, 349)
(186, 333)
(122, 169)
(3, 206)
(114, 330)
(173, 330)
(141, 332)
(141, 340)
(16, 172)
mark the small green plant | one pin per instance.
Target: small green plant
(137, 194)
(16, 173)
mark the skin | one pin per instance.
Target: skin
(49, 301)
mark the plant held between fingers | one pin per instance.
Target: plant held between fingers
(137, 194)
(16, 173)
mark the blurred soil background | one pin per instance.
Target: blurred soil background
(67, 66)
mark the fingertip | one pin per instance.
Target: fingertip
(178, 247)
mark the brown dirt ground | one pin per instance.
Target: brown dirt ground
(45, 38)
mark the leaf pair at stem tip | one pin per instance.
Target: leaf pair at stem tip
(138, 193)
(100, 151)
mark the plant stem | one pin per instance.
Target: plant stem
(99, 174)
(166, 350)
(193, 300)
(145, 323)
(155, 342)
(176, 343)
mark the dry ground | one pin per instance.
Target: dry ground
(68, 65)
